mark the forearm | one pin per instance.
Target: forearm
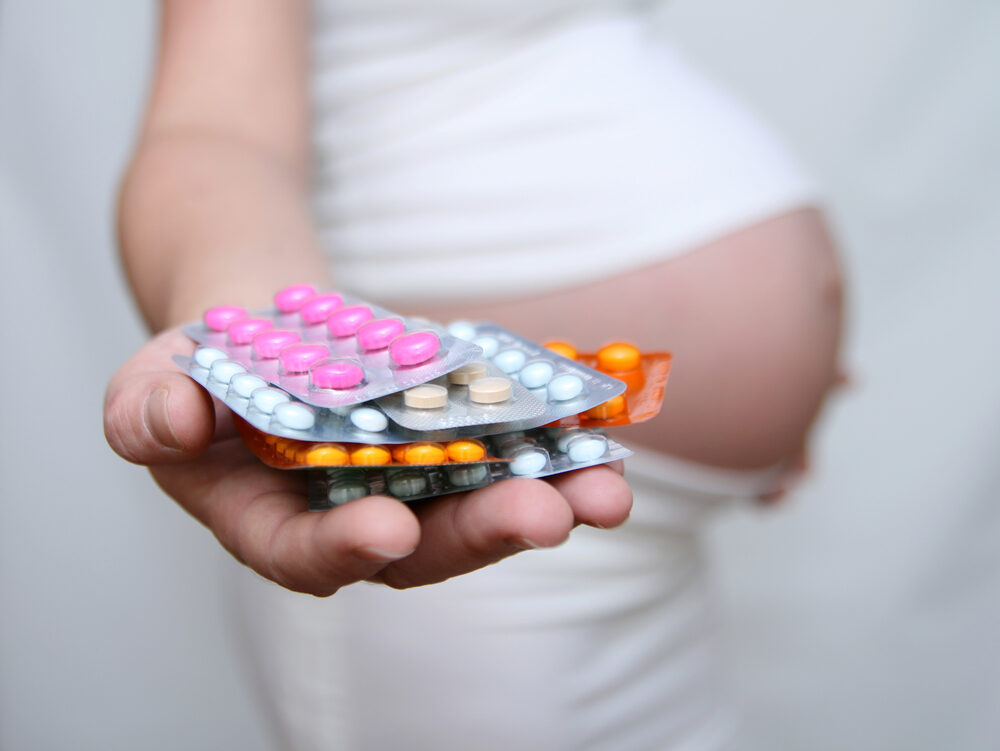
(205, 219)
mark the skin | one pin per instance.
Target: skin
(214, 208)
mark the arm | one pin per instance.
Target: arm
(214, 208)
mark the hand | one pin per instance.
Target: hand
(157, 416)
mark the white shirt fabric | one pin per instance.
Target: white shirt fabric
(484, 150)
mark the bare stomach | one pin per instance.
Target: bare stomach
(753, 320)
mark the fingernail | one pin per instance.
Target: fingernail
(157, 420)
(377, 554)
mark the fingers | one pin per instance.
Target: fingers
(260, 516)
(598, 496)
(153, 413)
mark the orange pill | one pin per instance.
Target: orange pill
(371, 456)
(563, 348)
(618, 357)
(425, 453)
(466, 450)
(285, 447)
(327, 455)
(611, 408)
(398, 452)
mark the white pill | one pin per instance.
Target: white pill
(587, 448)
(488, 344)
(536, 374)
(465, 477)
(567, 435)
(244, 384)
(462, 330)
(529, 461)
(407, 484)
(369, 420)
(510, 360)
(565, 387)
(342, 492)
(266, 399)
(205, 356)
(224, 370)
(295, 415)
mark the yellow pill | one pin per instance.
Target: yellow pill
(327, 455)
(611, 408)
(424, 453)
(399, 452)
(371, 456)
(466, 451)
(562, 348)
(618, 358)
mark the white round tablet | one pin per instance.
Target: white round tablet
(567, 435)
(369, 419)
(244, 384)
(267, 398)
(536, 374)
(462, 330)
(295, 415)
(224, 370)
(488, 344)
(565, 387)
(205, 356)
(529, 461)
(427, 396)
(587, 448)
(490, 390)
(510, 360)
(465, 477)
(342, 492)
(407, 484)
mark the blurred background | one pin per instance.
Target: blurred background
(863, 613)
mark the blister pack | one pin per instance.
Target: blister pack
(540, 452)
(331, 350)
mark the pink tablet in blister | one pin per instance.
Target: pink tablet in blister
(336, 374)
(378, 333)
(293, 297)
(298, 358)
(347, 320)
(269, 344)
(245, 329)
(318, 308)
(414, 348)
(219, 317)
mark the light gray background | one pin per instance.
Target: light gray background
(862, 614)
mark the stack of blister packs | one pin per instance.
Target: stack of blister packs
(372, 402)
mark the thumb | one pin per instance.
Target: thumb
(154, 414)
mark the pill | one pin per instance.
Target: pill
(587, 448)
(369, 419)
(327, 455)
(244, 384)
(462, 330)
(406, 484)
(427, 396)
(317, 309)
(606, 410)
(219, 317)
(490, 390)
(465, 477)
(565, 387)
(567, 435)
(536, 374)
(371, 456)
(414, 348)
(224, 370)
(510, 360)
(564, 349)
(466, 450)
(618, 358)
(377, 333)
(266, 399)
(268, 344)
(529, 460)
(467, 373)
(245, 329)
(298, 358)
(343, 492)
(205, 356)
(285, 447)
(295, 415)
(293, 297)
(488, 344)
(347, 321)
(336, 374)
(425, 453)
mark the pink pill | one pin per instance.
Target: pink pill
(347, 321)
(378, 333)
(219, 317)
(292, 298)
(337, 374)
(298, 358)
(316, 309)
(269, 344)
(415, 348)
(244, 330)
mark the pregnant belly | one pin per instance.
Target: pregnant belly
(753, 320)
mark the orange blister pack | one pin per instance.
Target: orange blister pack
(288, 453)
(644, 375)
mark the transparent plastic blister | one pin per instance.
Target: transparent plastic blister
(331, 350)
(534, 453)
